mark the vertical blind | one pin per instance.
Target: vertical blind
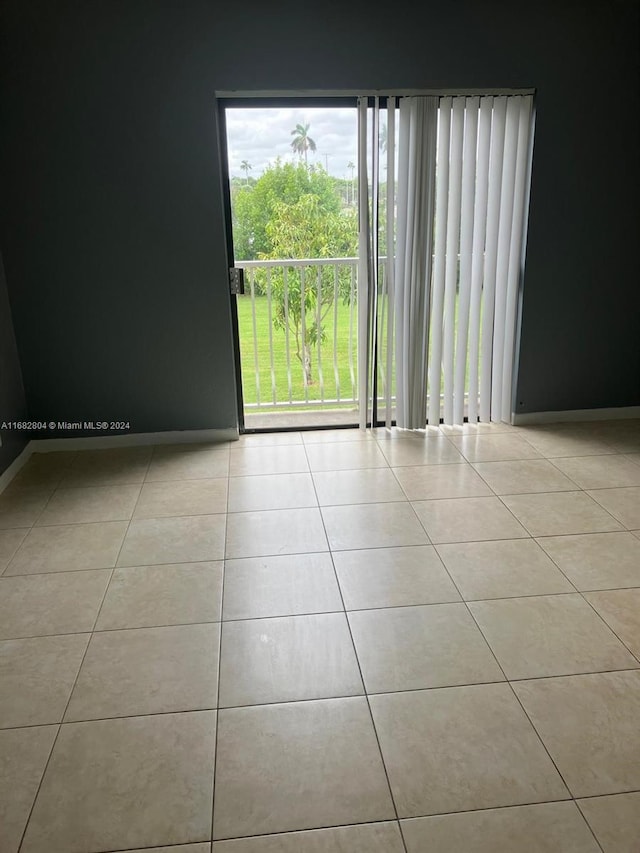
(454, 248)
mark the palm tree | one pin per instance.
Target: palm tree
(302, 142)
(246, 167)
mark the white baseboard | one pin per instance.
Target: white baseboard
(621, 413)
(9, 473)
(134, 439)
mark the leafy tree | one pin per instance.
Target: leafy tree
(302, 142)
(253, 208)
(304, 296)
(295, 212)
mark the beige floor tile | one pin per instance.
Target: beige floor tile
(69, 548)
(600, 472)
(417, 436)
(94, 503)
(392, 577)
(182, 497)
(461, 748)
(344, 455)
(475, 428)
(37, 676)
(621, 436)
(524, 476)
(596, 560)
(268, 439)
(623, 504)
(196, 447)
(147, 671)
(367, 838)
(291, 585)
(273, 532)
(494, 448)
(271, 491)
(279, 459)
(301, 765)
(188, 463)
(549, 635)
(550, 514)
(543, 828)
(504, 568)
(115, 466)
(615, 821)
(173, 540)
(370, 485)
(426, 482)
(58, 603)
(148, 596)
(21, 507)
(634, 457)
(427, 450)
(563, 440)
(287, 659)
(329, 436)
(23, 756)
(202, 847)
(620, 609)
(44, 469)
(408, 648)
(589, 724)
(467, 520)
(10, 541)
(120, 784)
(372, 526)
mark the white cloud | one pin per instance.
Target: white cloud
(260, 135)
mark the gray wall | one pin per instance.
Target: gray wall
(112, 225)
(12, 401)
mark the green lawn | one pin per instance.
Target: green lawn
(326, 389)
(278, 384)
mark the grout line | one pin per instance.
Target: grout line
(215, 745)
(302, 615)
(584, 818)
(273, 704)
(95, 621)
(536, 537)
(362, 681)
(544, 746)
(610, 628)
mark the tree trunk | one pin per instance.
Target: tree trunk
(308, 378)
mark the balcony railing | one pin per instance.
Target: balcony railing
(293, 358)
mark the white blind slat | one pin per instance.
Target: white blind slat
(391, 176)
(364, 271)
(418, 117)
(477, 261)
(504, 243)
(451, 264)
(491, 252)
(515, 253)
(437, 288)
(466, 253)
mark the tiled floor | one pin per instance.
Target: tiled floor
(325, 642)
